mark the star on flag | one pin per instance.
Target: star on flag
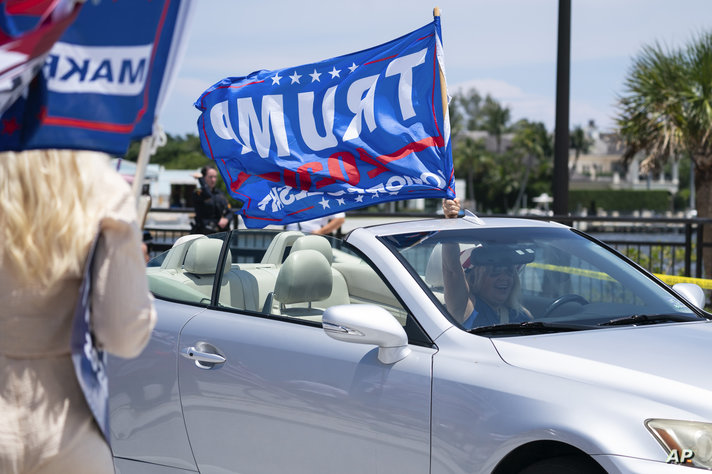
(295, 77)
(315, 76)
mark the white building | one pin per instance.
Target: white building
(167, 188)
(602, 167)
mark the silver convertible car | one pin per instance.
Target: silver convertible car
(437, 346)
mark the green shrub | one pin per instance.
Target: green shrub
(623, 201)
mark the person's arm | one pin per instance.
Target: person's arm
(226, 213)
(331, 226)
(202, 192)
(123, 314)
(456, 292)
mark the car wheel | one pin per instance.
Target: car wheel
(564, 465)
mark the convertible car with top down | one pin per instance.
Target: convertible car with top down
(380, 353)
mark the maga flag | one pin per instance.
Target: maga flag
(27, 32)
(103, 81)
(312, 140)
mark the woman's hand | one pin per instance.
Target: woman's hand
(451, 208)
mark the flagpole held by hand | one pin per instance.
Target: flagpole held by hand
(330, 172)
(443, 86)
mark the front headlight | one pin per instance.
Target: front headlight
(686, 442)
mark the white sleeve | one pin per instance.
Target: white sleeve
(123, 315)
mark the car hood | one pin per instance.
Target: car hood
(663, 362)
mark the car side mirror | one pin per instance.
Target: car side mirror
(367, 324)
(692, 292)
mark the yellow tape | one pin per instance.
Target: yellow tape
(572, 271)
(669, 279)
(672, 279)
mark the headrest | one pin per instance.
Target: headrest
(496, 254)
(176, 255)
(187, 238)
(202, 257)
(304, 276)
(314, 242)
(434, 269)
(275, 251)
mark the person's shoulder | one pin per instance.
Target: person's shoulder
(112, 193)
(108, 179)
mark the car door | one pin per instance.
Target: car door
(264, 392)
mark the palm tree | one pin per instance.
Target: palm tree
(469, 157)
(495, 119)
(469, 103)
(531, 141)
(666, 112)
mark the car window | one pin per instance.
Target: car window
(186, 272)
(299, 276)
(495, 276)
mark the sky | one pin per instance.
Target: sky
(505, 48)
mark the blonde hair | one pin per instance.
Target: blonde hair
(477, 280)
(48, 212)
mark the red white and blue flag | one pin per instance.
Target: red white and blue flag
(103, 82)
(28, 30)
(313, 140)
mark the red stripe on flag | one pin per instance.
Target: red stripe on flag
(41, 8)
(88, 124)
(301, 210)
(379, 60)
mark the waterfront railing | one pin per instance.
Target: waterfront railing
(663, 245)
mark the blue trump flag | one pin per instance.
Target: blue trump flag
(89, 361)
(103, 81)
(312, 140)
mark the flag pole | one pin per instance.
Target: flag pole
(149, 145)
(141, 164)
(443, 86)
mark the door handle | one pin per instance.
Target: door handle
(203, 359)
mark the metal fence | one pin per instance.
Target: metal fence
(671, 246)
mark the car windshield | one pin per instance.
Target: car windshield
(526, 279)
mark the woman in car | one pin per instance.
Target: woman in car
(481, 283)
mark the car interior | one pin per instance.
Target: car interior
(299, 277)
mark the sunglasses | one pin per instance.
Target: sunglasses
(494, 271)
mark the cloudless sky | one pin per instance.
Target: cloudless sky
(506, 48)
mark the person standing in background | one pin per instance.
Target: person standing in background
(212, 210)
(52, 204)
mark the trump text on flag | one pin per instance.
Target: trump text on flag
(346, 132)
